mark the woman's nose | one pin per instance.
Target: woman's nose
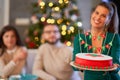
(98, 17)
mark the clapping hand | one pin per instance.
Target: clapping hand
(21, 55)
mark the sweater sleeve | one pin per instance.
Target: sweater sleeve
(115, 51)
(76, 49)
(115, 54)
(38, 68)
(6, 70)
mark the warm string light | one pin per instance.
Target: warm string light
(43, 19)
(60, 1)
(59, 21)
(68, 43)
(42, 41)
(51, 21)
(63, 1)
(63, 33)
(56, 8)
(50, 4)
(69, 31)
(79, 24)
(36, 39)
(72, 29)
(64, 28)
(68, 23)
(66, 1)
(42, 4)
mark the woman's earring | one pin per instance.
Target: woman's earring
(106, 27)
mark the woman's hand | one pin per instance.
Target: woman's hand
(52, 78)
(116, 65)
(21, 55)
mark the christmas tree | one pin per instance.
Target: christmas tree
(63, 13)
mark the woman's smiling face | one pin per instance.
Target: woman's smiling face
(100, 17)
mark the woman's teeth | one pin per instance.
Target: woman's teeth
(97, 22)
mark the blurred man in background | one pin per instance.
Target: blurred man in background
(53, 59)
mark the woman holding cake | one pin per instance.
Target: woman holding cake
(12, 54)
(102, 39)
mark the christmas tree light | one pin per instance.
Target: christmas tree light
(63, 13)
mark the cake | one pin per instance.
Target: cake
(93, 61)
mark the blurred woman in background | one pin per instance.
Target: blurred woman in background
(12, 53)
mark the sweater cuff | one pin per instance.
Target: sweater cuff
(13, 63)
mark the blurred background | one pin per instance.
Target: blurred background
(28, 16)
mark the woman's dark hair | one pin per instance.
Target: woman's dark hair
(112, 26)
(3, 31)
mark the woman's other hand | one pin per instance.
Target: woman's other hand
(21, 55)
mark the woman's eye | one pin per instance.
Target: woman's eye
(6, 36)
(13, 36)
(104, 16)
(96, 13)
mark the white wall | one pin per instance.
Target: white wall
(4, 12)
(1, 12)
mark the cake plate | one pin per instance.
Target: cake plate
(83, 68)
